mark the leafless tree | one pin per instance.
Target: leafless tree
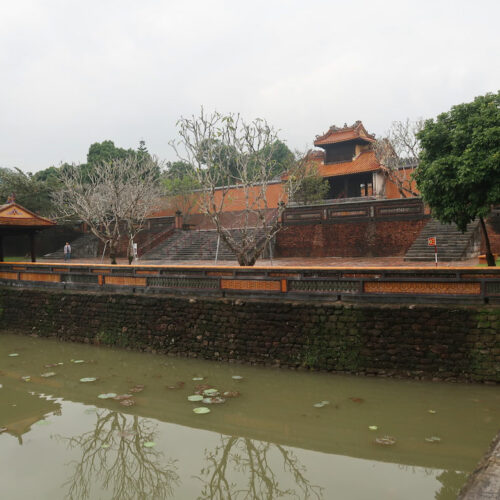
(113, 200)
(398, 154)
(258, 462)
(231, 157)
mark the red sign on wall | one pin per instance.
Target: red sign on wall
(431, 242)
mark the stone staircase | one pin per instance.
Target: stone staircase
(452, 244)
(84, 247)
(192, 245)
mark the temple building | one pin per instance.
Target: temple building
(348, 163)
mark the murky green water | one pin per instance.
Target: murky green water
(62, 441)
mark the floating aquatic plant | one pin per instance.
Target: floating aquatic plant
(433, 439)
(198, 378)
(373, 427)
(121, 397)
(195, 397)
(26, 378)
(201, 410)
(47, 375)
(231, 394)
(127, 402)
(137, 388)
(432, 411)
(237, 377)
(77, 361)
(321, 404)
(214, 400)
(149, 444)
(211, 392)
(13, 354)
(109, 395)
(386, 440)
(88, 379)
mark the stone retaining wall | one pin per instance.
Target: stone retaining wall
(447, 342)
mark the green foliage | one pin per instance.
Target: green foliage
(459, 171)
(31, 191)
(313, 188)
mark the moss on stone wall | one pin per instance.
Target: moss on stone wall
(447, 342)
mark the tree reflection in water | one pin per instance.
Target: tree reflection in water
(114, 455)
(257, 461)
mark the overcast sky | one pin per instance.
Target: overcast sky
(77, 72)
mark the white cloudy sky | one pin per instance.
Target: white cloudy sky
(75, 72)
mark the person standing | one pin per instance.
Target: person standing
(67, 251)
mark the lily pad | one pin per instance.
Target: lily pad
(127, 402)
(198, 378)
(13, 354)
(321, 404)
(216, 400)
(432, 411)
(201, 410)
(88, 379)
(373, 427)
(386, 440)
(237, 377)
(78, 361)
(26, 378)
(149, 444)
(108, 395)
(47, 375)
(137, 388)
(121, 397)
(231, 394)
(211, 392)
(433, 439)
(195, 397)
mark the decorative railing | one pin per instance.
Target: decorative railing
(355, 210)
(460, 284)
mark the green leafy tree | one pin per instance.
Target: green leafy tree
(30, 191)
(459, 171)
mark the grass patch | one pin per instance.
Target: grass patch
(17, 259)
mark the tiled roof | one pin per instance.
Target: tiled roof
(12, 214)
(336, 134)
(365, 162)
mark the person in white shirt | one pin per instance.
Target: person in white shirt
(67, 251)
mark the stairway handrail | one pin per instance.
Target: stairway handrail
(160, 237)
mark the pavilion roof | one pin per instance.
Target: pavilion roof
(337, 134)
(365, 162)
(13, 214)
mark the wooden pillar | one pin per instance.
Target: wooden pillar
(1, 247)
(32, 246)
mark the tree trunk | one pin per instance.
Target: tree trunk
(490, 259)
(112, 251)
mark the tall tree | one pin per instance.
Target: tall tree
(459, 171)
(398, 154)
(225, 150)
(113, 200)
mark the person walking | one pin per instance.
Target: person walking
(67, 251)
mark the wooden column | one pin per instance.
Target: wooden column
(32, 246)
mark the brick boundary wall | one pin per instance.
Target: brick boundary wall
(445, 342)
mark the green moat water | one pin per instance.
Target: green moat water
(62, 441)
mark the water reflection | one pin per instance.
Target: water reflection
(113, 455)
(452, 482)
(258, 462)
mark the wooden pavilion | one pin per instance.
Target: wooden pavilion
(16, 220)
